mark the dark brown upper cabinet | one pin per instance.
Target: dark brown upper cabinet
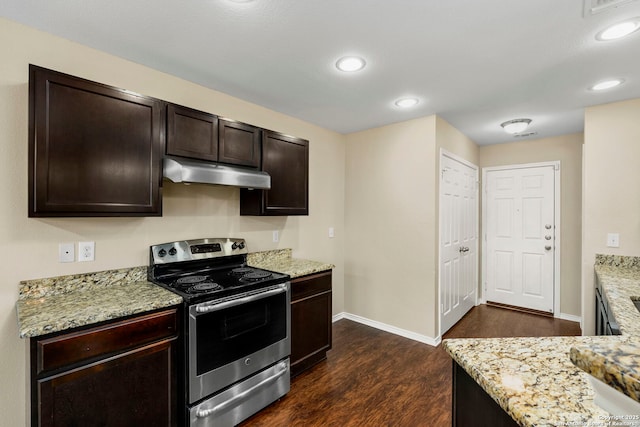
(94, 150)
(238, 143)
(286, 159)
(192, 133)
(204, 136)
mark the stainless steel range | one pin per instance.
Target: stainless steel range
(236, 330)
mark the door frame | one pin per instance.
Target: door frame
(450, 155)
(557, 242)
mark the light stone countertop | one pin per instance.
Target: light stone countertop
(617, 365)
(544, 381)
(60, 303)
(281, 261)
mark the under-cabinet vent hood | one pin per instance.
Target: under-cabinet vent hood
(177, 169)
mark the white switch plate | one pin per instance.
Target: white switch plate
(332, 232)
(66, 252)
(276, 236)
(86, 251)
(613, 240)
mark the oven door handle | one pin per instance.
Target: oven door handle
(221, 306)
(203, 413)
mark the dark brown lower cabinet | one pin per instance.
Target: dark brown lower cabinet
(310, 320)
(472, 406)
(117, 374)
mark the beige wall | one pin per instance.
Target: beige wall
(568, 150)
(391, 218)
(611, 199)
(390, 224)
(29, 246)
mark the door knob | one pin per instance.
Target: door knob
(548, 247)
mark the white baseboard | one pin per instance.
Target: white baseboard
(570, 317)
(337, 317)
(388, 328)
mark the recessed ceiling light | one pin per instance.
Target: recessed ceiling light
(606, 84)
(406, 102)
(516, 125)
(619, 30)
(350, 63)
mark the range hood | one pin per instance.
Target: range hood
(179, 169)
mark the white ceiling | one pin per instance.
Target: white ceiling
(474, 63)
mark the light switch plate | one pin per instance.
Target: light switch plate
(613, 240)
(276, 236)
(332, 232)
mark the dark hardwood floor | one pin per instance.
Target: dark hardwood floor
(374, 378)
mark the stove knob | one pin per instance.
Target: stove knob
(162, 253)
(241, 245)
(234, 246)
(173, 251)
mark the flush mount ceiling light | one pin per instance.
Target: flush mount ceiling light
(406, 102)
(516, 125)
(606, 84)
(619, 30)
(350, 63)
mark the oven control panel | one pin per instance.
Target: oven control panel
(189, 250)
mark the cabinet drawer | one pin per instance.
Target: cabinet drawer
(75, 347)
(305, 286)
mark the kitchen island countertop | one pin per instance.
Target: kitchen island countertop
(544, 381)
(281, 261)
(60, 303)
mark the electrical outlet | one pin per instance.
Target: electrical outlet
(276, 236)
(86, 251)
(66, 252)
(332, 232)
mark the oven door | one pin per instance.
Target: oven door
(232, 338)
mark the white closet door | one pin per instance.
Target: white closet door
(458, 240)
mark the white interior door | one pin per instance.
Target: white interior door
(458, 239)
(520, 236)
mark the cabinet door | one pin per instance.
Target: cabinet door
(192, 133)
(132, 389)
(286, 159)
(239, 143)
(310, 320)
(94, 150)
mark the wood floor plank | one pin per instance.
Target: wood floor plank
(374, 378)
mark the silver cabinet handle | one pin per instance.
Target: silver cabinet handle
(548, 247)
(548, 226)
(547, 237)
(207, 412)
(207, 308)
(463, 249)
